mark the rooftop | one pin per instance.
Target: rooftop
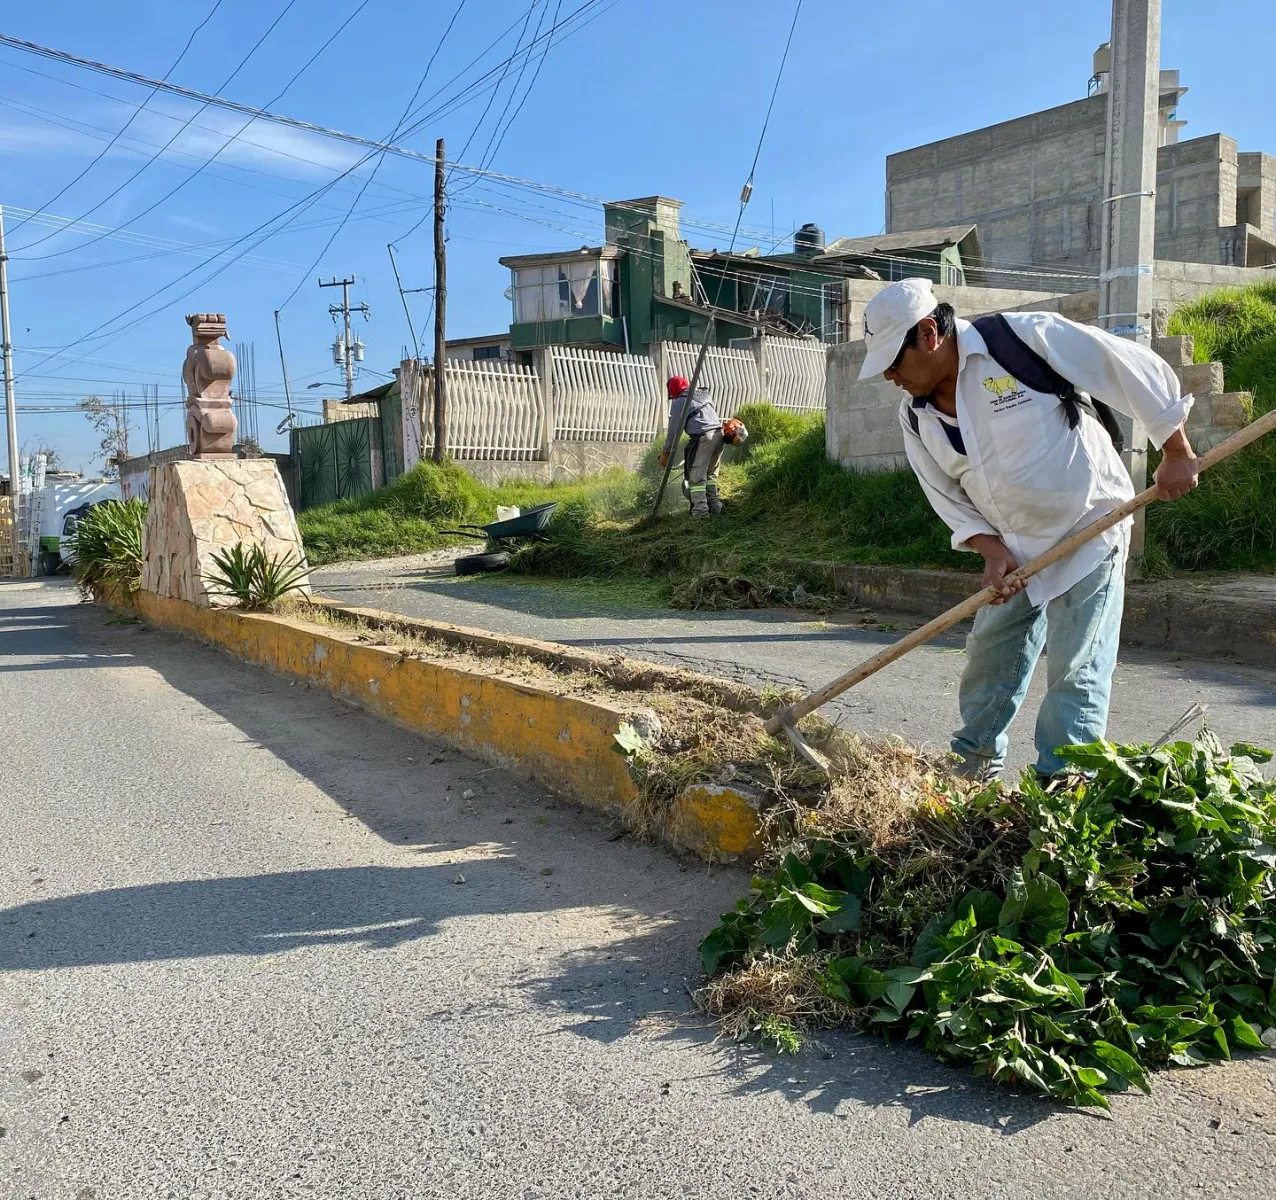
(555, 256)
(913, 239)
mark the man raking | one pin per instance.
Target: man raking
(1005, 428)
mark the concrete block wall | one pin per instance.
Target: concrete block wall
(1256, 192)
(1216, 413)
(1032, 184)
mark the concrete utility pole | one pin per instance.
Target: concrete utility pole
(439, 374)
(10, 410)
(1129, 218)
(348, 345)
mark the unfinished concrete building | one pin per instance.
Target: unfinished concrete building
(1033, 187)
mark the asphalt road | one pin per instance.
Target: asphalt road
(255, 944)
(915, 697)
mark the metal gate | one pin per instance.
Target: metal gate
(337, 461)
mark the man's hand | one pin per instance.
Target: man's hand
(1177, 474)
(998, 563)
(664, 458)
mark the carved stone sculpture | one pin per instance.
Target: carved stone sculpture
(207, 372)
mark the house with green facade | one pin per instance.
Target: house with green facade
(645, 285)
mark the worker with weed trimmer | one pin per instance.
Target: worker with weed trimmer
(693, 413)
(1007, 427)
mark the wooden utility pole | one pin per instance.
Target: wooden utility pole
(439, 374)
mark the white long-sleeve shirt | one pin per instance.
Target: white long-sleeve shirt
(1025, 476)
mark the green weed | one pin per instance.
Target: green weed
(1226, 524)
(1136, 928)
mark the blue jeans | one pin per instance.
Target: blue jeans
(1080, 631)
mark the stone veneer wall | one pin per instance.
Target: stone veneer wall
(201, 507)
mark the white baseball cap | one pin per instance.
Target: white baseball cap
(888, 318)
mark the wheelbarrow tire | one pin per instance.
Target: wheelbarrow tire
(479, 564)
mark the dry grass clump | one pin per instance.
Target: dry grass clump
(772, 998)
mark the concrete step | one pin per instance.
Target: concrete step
(1202, 379)
(1177, 351)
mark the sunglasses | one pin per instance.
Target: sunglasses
(910, 340)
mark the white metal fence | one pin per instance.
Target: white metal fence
(599, 396)
(495, 411)
(794, 374)
(731, 375)
(500, 411)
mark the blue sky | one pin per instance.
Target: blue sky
(651, 96)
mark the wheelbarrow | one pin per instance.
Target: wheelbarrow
(502, 539)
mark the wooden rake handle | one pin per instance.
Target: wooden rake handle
(968, 607)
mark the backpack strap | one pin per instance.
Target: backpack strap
(1017, 358)
(955, 440)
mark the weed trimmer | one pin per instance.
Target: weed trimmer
(787, 718)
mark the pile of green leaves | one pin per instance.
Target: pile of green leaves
(1138, 929)
(106, 548)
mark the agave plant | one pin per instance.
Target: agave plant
(232, 573)
(105, 550)
(254, 578)
(275, 575)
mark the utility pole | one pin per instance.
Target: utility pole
(350, 349)
(1129, 202)
(289, 420)
(439, 374)
(10, 409)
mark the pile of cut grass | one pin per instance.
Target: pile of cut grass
(1068, 939)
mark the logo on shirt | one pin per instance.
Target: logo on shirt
(999, 387)
(1006, 392)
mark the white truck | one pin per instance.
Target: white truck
(62, 501)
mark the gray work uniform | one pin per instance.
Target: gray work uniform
(697, 417)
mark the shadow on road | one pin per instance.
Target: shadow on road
(382, 908)
(404, 788)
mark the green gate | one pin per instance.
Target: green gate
(336, 461)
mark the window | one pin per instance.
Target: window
(763, 293)
(834, 313)
(580, 287)
(482, 352)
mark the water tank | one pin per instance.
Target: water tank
(809, 240)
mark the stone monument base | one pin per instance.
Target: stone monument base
(201, 507)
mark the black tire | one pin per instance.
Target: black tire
(50, 561)
(479, 564)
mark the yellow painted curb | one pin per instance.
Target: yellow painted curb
(717, 821)
(562, 741)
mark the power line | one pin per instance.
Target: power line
(124, 128)
(185, 125)
(496, 90)
(380, 157)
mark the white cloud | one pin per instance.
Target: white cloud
(20, 136)
(236, 139)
